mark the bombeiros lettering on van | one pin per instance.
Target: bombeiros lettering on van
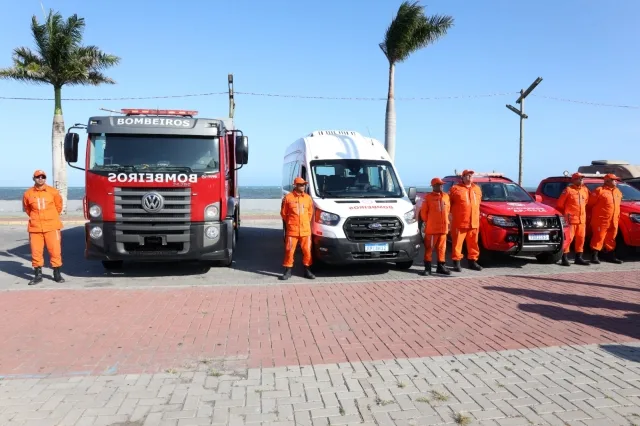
(153, 177)
(148, 121)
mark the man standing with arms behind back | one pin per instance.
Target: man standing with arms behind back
(465, 221)
(43, 205)
(605, 213)
(297, 212)
(572, 203)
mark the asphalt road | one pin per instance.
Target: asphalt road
(258, 262)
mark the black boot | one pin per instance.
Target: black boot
(427, 269)
(594, 257)
(308, 274)
(37, 278)
(474, 265)
(287, 274)
(57, 277)
(565, 260)
(580, 261)
(442, 269)
(456, 266)
(611, 257)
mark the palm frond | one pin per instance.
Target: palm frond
(95, 58)
(411, 30)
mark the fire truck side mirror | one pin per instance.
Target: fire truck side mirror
(242, 150)
(71, 147)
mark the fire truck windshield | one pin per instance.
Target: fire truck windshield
(112, 152)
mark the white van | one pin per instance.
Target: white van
(362, 211)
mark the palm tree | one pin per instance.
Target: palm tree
(409, 31)
(59, 59)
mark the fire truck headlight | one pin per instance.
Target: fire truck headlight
(95, 210)
(211, 212)
(211, 232)
(96, 232)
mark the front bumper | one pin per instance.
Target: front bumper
(194, 245)
(341, 251)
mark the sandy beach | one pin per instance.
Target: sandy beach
(10, 209)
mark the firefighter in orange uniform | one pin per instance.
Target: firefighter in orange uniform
(297, 212)
(434, 213)
(43, 205)
(604, 203)
(465, 220)
(572, 203)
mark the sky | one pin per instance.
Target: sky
(585, 51)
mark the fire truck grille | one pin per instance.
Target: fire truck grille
(133, 216)
(384, 228)
(540, 222)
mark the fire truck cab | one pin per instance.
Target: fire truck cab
(160, 185)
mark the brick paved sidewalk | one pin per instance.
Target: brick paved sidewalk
(582, 385)
(101, 331)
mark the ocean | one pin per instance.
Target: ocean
(248, 192)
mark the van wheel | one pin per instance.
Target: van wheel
(549, 258)
(404, 265)
(112, 264)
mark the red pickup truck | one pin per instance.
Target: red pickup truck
(512, 221)
(628, 239)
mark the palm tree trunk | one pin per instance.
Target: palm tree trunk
(59, 171)
(390, 119)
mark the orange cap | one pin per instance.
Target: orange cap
(299, 181)
(39, 172)
(611, 176)
(577, 175)
(436, 181)
(468, 172)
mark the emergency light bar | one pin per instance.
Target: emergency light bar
(587, 175)
(489, 174)
(178, 112)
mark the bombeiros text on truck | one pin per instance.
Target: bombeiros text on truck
(160, 185)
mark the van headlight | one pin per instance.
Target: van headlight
(211, 212)
(410, 216)
(95, 211)
(326, 218)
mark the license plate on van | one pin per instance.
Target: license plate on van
(538, 237)
(376, 247)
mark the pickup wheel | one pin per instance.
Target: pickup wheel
(111, 265)
(404, 265)
(549, 258)
(623, 251)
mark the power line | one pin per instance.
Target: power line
(587, 102)
(278, 95)
(338, 98)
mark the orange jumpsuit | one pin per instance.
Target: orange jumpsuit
(465, 220)
(297, 212)
(43, 206)
(434, 212)
(572, 203)
(604, 203)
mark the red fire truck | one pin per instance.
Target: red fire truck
(160, 185)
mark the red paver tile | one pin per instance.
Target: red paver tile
(102, 331)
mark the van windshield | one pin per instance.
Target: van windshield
(355, 179)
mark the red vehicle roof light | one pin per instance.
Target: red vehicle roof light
(142, 111)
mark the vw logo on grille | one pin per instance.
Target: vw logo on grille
(152, 202)
(375, 225)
